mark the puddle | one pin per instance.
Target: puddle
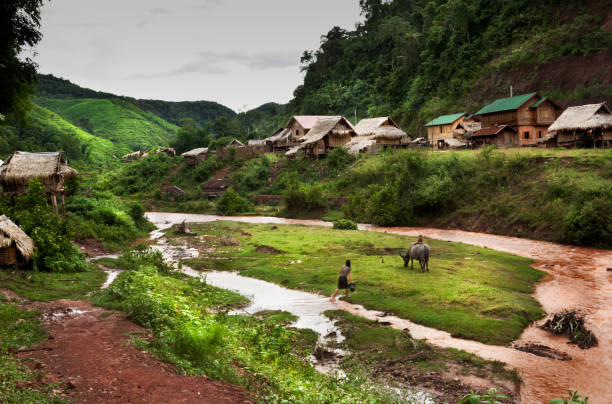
(577, 279)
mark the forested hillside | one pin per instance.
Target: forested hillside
(416, 59)
(201, 112)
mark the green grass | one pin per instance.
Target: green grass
(116, 120)
(191, 328)
(472, 292)
(44, 286)
(373, 345)
(20, 329)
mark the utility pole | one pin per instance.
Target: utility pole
(510, 91)
(355, 116)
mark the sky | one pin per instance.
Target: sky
(240, 53)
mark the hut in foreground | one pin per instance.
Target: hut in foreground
(51, 169)
(195, 156)
(15, 245)
(325, 135)
(581, 126)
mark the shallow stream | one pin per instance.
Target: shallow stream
(577, 279)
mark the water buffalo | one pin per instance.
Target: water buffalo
(417, 251)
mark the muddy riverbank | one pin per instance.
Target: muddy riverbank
(577, 279)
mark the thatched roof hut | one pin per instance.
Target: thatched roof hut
(280, 140)
(15, 245)
(326, 134)
(581, 125)
(195, 156)
(235, 143)
(168, 151)
(582, 118)
(383, 129)
(361, 144)
(137, 155)
(50, 168)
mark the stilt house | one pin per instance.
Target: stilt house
(582, 126)
(15, 245)
(529, 114)
(50, 168)
(502, 136)
(375, 133)
(327, 134)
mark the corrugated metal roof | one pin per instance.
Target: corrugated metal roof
(445, 119)
(541, 100)
(505, 104)
(492, 131)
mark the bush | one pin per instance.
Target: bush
(231, 202)
(300, 197)
(52, 236)
(253, 175)
(345, 224)
(591, 223)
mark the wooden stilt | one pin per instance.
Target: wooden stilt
(54, 202)
(63, 204)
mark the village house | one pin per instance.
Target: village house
(502, 136)
(15, 245)
(258, 146)
(441, 129)
(529, 114)
(300, 125)
(327, 134)
(235, 143)
(50, 168)
(581, 126)
(375, 133)
(280, 140)
(195, 156)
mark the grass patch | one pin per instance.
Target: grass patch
(472, 292)
(191, 328)
(20, 329)
(44, 286)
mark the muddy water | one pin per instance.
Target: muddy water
(577, 279)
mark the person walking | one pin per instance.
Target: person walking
(343, 280)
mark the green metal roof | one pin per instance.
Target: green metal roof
(541, 100)
(505, 104)
(445, 119)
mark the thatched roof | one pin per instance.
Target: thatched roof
(380, 128)
(308, 121)
(21, 167)
(280, 135)
(359, 143)
(11, 233)
(583, 117)
(195, 152)
(324, 126)
(257, 142)
(292, 152)
(454, 143)
(235, 143)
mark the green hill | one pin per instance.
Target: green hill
(114, 119)
(47, 131)
(418, 59)
(201, 112)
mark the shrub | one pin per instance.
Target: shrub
(591, 223)
(338, 159)
(231, 202)
(300, 197)
(253, 175)
(345, 224)
(52, 236)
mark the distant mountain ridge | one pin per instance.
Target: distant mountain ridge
(202, 112)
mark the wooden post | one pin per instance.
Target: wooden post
(63, 204)
(54, 202)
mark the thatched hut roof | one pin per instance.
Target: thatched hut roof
(257, 142)
(324, 126)
(195, 152)
(11, 233)
(583, 117)
(281, 135)
(21, 167)
(381, 128)
(235, 143)
(359, 143)
(308, 121)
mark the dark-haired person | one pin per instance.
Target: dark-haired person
(343, 280)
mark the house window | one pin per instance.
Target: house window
(539, 134)
(440, 129)
(526, 135)
(297, 132)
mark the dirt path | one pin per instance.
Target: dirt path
(577, 279)
(88, 353)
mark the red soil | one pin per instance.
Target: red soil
(90, 356)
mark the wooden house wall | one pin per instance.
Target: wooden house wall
(8, 255)
(297, 130)
(439, 132)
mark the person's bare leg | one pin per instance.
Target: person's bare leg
(333, 296)
(347, 293)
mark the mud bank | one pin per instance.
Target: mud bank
(577, 279)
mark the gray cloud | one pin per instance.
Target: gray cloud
(219, 63)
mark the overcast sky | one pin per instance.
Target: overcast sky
(240, 53)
